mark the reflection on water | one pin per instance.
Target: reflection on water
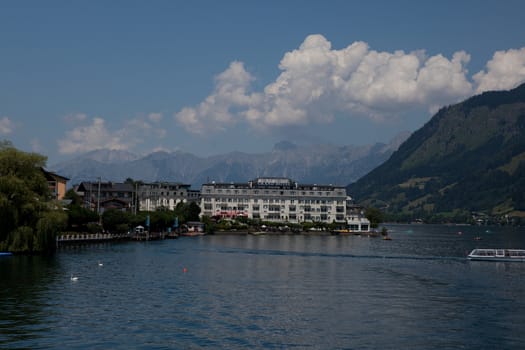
(24, 280)
(236, 292)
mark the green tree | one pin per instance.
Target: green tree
(374, 215)
(47, 227)
(187, 212)
(115, 220)
(209, 225)
(193, 212)
(73, 197)
(79, 217)
(163, 219)
(25, 203)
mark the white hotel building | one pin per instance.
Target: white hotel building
(281, 200)
(157, 195)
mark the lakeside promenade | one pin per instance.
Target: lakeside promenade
(86, 238)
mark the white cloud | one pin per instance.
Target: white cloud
(506, 70)
(90, 137)
(36, 146)
(144, 126)
(6, 126)
(163, 149)
(219, 109)
(317, 82)
(155, 117)
(96, 135)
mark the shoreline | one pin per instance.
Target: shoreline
(293, 233)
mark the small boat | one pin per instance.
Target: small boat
(497, 254)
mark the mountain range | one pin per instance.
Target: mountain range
(470, 157)
(323, 164)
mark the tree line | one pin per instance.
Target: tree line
(31, 219)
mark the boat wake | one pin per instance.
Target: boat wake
(331, 255)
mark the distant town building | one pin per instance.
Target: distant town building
(167, 195)
(266, 198)
(57, 184)
(281, 200)
(134, 197)
(101, 196)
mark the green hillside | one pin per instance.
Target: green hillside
(470, 157)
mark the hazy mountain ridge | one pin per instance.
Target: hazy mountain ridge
(308, 164)
(468, 157)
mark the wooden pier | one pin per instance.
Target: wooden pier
(148, 236)
(90, 238)
(86, 238)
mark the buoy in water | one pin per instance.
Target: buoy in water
(184, 270)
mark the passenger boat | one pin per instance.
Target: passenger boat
(498, 254)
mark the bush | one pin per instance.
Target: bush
(21, 240)
(47, 229)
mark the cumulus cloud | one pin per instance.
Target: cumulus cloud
(145, 126)
(96, 135)
(318, 82)
(6, 126)
(155, 117)
(506, 70)
(221, 107)
(89, 137)
(36, 146)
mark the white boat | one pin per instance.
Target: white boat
(498, 254)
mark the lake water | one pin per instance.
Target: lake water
(417, 291)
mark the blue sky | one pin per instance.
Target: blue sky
(210, 77)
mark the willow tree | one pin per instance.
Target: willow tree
(29, 219)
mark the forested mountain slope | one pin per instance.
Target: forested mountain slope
(470, 157)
